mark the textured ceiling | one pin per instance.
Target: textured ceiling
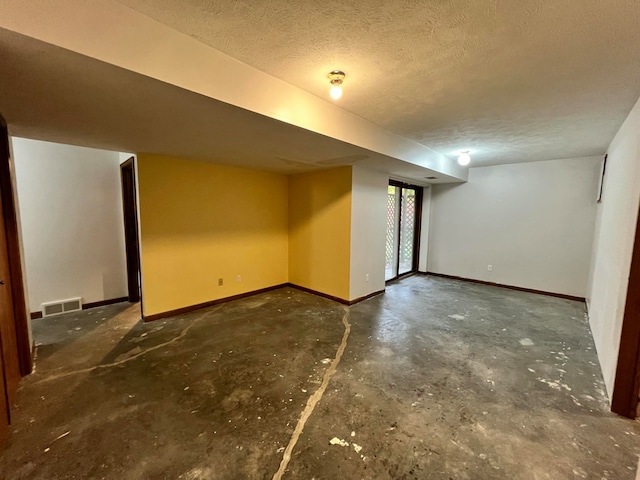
(50, 93)
(509, 80)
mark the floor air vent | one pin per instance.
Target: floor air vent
(61, 306)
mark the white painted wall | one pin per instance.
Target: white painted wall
(424, 229)
(72, 226)
(368, 231)
(533, 222)
(614, 238)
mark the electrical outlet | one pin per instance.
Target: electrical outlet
(220, 282)
(239, 278)
(490, 268)
(366, 277)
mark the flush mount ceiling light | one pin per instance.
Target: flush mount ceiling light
(464, 158)
(336, 78)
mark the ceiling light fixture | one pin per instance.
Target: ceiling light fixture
(336, 78)
(464, 158)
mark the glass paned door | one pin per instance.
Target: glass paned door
(393, 237)
(403, 202)
(407, 231)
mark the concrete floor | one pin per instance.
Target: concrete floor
(436, 379)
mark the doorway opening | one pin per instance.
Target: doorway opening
(404, 212)
(130, 212)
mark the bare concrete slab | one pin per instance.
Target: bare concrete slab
(435, 379)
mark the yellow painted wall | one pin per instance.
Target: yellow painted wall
(201, 221)
(320, 230)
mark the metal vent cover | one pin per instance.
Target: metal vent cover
(53, 309)
(61, 306)
(72, 305)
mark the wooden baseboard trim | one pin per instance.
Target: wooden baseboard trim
(366, 297)
(335, 299)
(319, 294)
(103, 303)
(86, 306)
(510, 287)
(191, 308)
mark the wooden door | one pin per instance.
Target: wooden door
(8, 338)
(9, 361)
(15, 348)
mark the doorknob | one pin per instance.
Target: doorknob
(1, 282)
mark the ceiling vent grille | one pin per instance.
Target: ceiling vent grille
(61, 306)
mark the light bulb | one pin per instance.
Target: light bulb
(336, 92)
(464, 158)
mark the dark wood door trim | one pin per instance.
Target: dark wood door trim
(13, 246)
(130, 214)
(8, 335)
(399, 220)
(624, 400)
(417, 230)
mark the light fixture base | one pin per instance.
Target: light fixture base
(336, 77)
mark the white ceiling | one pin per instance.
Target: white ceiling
(511, 81)
(50, 93)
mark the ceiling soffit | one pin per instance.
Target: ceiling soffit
(512, 81)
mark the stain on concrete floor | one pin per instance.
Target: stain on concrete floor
(439, 379)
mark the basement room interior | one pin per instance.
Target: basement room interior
(301, 240)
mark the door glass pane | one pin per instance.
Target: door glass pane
(393, 206)
(407, 230)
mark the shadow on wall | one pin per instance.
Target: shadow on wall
(320, 230)
(318, 193)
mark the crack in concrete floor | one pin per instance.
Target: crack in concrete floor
(181, 335)
(315, 398)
